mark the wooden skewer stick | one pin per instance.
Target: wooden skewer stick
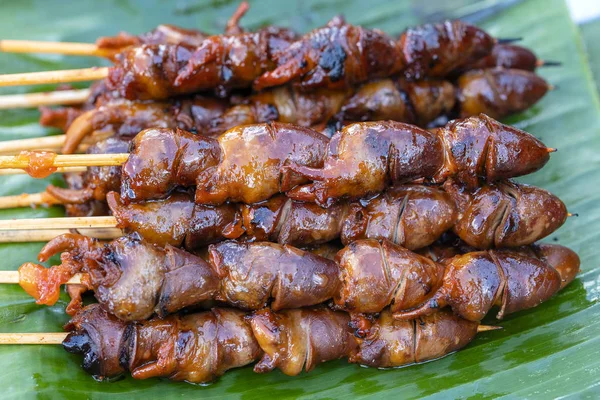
(64, 76)
(27, 200)
(13, 147)
(32, 100)
(23, 161)
(47, 143)
(58, 337)
(33, 338)
(45, 235)
(13, 277)
(67, 48)
(60, 170)
(58, 223)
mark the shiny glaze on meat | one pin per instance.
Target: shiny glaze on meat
(365, 158)
(513, 279)
(200, 347)
(411, 215)
(242, 165)
(134, 279)
(506, 55)
(506, 214)
(196, 348)
(159, 71)
(435, 50)
(162, 159)
(499, 93)
(251, 160)
(336, 56)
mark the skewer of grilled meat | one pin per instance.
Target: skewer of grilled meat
(133, 279)
(243, 164)
(252, 163)
(506, 214)
(336, 56)
(496, 92)
(200, 347)
(341, 55)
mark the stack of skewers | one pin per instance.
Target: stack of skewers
(341, 194)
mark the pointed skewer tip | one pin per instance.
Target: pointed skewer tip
(551, 149)
(485, 328)
(548, 63)
(572, 214)
(508, 40)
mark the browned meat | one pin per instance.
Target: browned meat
(411, 215)
(512, 279)
(506, 55)
(198, 348)
(497, 215)
(499, 93)
(242, 165)
(134, 279)
(336, 56)
(365, 158)
(506, 214)
(96, 182)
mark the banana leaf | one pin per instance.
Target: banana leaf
(547, 352)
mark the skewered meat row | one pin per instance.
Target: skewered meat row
(252, 163)
(200, 347)
(134, 279)
(336, 56)
(495, 92)
(506, 214)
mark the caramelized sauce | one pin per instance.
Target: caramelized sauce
(41, 163)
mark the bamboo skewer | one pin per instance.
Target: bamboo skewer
(27, 200)
(47, 143)
(66, 48)
(64, 76)
(32, 100)
(24, 161)
(58, 223)
(45, 235)
(13, 277)
(53, 143)
(59, 337)
(59, 170)
(33, 338)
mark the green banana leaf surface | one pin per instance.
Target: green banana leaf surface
(550, 351)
